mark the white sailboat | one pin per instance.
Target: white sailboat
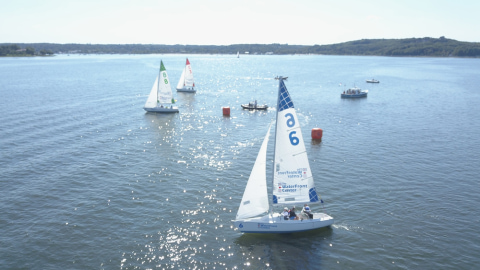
(161, 98)
(292, 179)
(186, 82)
(238, 54)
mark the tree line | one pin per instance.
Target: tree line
(433, 47)
(16, 50)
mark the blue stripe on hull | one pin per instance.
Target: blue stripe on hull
(263, 232)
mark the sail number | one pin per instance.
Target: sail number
(165, 76)
(290, 123)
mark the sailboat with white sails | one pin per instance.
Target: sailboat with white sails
(292, 179)
(161, 98)
(186, 82)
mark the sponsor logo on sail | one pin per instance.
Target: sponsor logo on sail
(299, 173)
(284, 187)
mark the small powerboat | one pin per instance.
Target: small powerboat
(254, 106)
(354, 93)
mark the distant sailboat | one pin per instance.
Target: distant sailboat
(292, 179)
(186, 82)
(161, 98)
(238, 54)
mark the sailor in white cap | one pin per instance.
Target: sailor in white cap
(286, 214)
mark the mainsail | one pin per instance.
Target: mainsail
(292, 181)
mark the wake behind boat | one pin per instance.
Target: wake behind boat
(292, 179)
(254, 106)
(161, 98)
(354, 92)
(186, 82)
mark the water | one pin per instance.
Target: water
(90, 181)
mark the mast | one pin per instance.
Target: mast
(280, 79)
(158, 81)
(185, 72)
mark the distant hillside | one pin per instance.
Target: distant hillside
(402, 47)
(434, 47)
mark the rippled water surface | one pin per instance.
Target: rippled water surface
(91, 181)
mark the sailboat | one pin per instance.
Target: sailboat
(186, 82)
(238, 54)
(292, 179)
(161, 98)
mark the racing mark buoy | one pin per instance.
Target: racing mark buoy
(317, 133)
(226, 111)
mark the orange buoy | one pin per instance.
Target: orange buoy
(317, 133)
(226, 111)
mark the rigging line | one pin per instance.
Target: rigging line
(299, 153)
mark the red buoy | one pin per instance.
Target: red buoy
(317, 133)
(226, 111)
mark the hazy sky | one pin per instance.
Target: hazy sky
(225, 22)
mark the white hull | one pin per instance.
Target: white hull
(161, 110)
(188, 90)
(276, 224)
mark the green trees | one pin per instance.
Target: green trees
(46, 52)
(8, 49)
(467, 51)
(441, 47)
(15, 50)
(30, 51)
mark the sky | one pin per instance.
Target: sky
(226, 22)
